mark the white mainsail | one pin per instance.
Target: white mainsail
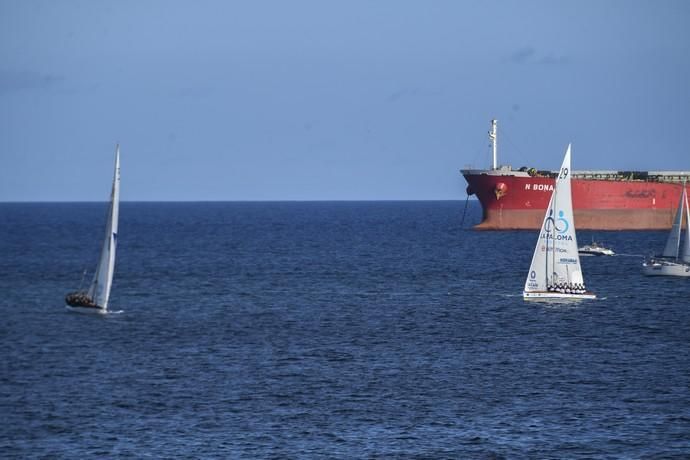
(673, 241)
(99, 291)
(675, 260)
(556, 261)
(685, 252)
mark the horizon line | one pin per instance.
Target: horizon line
(239, 201)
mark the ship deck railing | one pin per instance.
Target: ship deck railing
(622, 176)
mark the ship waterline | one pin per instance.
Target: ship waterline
(589, 219)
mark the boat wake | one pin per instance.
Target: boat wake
(93, 311)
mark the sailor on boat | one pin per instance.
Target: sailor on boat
(80, 299)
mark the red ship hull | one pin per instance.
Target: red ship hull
(513, 202)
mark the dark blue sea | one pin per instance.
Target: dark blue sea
(330, 330)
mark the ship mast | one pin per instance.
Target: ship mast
(493, 137)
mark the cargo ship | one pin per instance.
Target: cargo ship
(602, 200)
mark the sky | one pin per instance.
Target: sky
(331, 100)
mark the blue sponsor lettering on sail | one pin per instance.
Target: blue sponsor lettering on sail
(568, 260)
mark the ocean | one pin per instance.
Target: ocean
(330, 330)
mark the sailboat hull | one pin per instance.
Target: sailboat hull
(88, 310)
(665, 268)
(547, 295)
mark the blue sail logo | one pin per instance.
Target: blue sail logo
(563, 221)
(559, 226)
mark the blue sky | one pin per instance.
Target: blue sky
(331, 100)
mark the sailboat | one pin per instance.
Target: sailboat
(675, 260)
(555, 272)
(95, 298)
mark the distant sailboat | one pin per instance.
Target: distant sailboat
(95, 299)
(555, 271)
(675, 260)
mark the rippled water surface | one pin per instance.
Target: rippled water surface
(330, 330)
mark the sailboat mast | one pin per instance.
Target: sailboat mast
(679, 256)
(550, 270)
(682, 254)
(553, 252)
(546, 253)
(680, 223)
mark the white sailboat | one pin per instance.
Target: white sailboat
(95, 299)
(675, 260)
(555, 272)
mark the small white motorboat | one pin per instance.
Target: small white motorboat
(595, 249)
